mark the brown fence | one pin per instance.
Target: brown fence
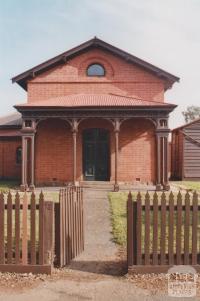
(69, 235)
(26, 234)
(162, 232)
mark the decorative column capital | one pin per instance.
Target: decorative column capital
(28, 126)
(162, 132)
(162, 124)
(75, 125)
(116, 124)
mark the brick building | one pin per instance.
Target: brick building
(94, 113)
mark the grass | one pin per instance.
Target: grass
(118, 217)
(118, 203)
(192, 185)
(5, 186)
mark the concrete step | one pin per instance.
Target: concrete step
(105, 185)
(97, 184)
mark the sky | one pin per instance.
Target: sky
(162, 32)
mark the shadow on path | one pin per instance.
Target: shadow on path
(110, 267)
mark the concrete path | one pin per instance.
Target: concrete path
(100, 254)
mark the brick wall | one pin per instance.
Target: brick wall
(121, 78)
(9, 169)
(53, 152)
(54, 161)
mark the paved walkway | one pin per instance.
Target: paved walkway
(100, 254)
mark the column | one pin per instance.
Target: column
(166, 185)
(158, 178)
(162, 161)
(74, 157)
(116, 131)
(74, 134)
(32, 163)
(24, 185)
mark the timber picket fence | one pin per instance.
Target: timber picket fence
(26, 233)
(162, 232)
(69, 232)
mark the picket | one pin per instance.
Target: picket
(167, 235)
(71, 238)
(18, 225)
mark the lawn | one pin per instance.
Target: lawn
(118, 203)
(118, 216)
(191, 185)
(7, 185)
(13, 186)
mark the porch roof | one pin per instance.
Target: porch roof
(94, 100)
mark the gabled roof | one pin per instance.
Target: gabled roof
(22, 78)
(13, 120)
(94, 100)
(186, 124)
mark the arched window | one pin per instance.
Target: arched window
(95, 70)
(19, 155)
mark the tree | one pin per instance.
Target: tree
(191, 113)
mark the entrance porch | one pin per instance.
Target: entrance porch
(121, 146)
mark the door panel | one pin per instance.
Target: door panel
(89, 160)
(96, 154)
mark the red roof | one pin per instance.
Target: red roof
(94, 100)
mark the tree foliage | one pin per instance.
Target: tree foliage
(191, 113)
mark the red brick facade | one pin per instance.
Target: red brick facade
(136, 151)
(125, 76)
(121, 78)
(54, 138)
(9, 168)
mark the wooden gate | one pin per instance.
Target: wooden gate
(69, 229)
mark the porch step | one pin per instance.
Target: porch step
(97, 184)
(105, 185)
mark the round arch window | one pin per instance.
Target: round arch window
(95, 70)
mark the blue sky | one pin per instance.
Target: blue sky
(165, 33)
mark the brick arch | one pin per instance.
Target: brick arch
(109, 70)
(41, 121)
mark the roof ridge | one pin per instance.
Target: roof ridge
(186, 124)
(22, 78)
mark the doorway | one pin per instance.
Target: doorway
(96, 154)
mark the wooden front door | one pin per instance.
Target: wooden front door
(96, 154)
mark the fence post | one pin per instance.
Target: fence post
(48, 232)
(130, 230)
(2, 226)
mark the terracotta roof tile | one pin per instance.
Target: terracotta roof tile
(93, 100)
